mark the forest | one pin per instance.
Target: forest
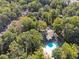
(23, 24)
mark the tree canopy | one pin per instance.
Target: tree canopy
(24, 25)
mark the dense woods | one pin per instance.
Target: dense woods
(28, 19)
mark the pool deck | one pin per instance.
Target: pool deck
(48, 49)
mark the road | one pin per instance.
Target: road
(23, 13)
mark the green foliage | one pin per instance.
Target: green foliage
(41, 25)
(1, 41)
(72, 29)
(8, 12)
(55, 3)
(45, 2)
(23, 38)
(15, 27)
(15, 50)
(31, 39)
(58, 24)
(74, 20)
(71, 10)
(47, 16)
(37, 55)
(27, 23)
(34, 6)
(70, 50)
(3, 57)
(8, 36)
(67, 51)
(59, 54)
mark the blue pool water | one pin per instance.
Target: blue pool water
(51, 44)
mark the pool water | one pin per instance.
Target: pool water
(50, 44)
(49, 47)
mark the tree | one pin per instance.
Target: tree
(15, 27)
(74, 20)
(12, 15)
(69, 31)
(41, 25)
(45, 2)
(58, 5)
(30, 40)
(4, 57)
(67, 51)
(71, 10)
(15, 50)
(7, 37)
(34, 6)
(23, 56)
(58, 24)
(37, 55)
(70, 51)
(47, 17)
(72, 29)
(1, 41)
(27, 23)
(59, 54)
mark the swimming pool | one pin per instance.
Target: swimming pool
(52, 44)
(49, 47)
